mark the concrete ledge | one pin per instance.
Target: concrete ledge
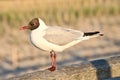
(95, 70)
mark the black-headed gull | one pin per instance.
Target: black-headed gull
(55, 39)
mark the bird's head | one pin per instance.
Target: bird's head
(33, 24)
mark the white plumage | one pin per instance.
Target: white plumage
(56, 38)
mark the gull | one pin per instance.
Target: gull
(55, 39)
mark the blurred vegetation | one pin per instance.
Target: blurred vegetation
(68, 12)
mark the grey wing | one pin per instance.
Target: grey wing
(61, 36)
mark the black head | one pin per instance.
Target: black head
(33, 24)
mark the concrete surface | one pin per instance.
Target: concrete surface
(103, 69)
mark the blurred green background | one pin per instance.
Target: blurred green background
(84, 15)
(68, 12)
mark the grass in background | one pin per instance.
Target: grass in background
(61, 12)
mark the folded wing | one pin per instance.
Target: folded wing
(61, 36)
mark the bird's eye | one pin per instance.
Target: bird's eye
(32, 24)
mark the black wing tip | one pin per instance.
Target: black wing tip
(97, 31)
(91, 33)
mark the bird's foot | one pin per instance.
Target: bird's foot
(53, 63)
(52, 68)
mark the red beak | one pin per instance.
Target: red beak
(24, 27)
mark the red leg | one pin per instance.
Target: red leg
(53, 63)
